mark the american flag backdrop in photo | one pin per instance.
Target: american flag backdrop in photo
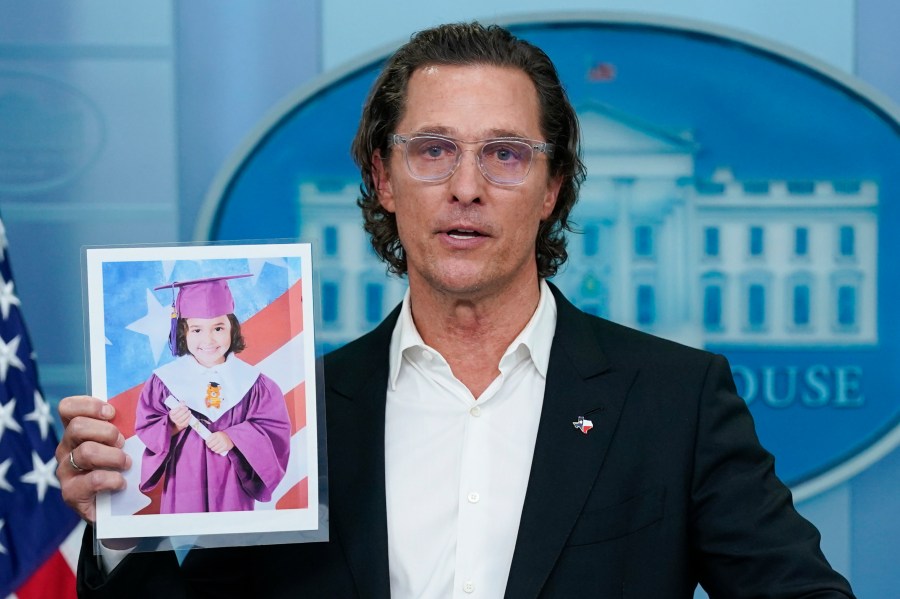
(136, 327)
(38, 534)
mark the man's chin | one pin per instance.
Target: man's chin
(468, 287)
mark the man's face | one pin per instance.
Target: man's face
(465, 236)
(208, 339)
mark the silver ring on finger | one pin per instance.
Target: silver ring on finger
(74, 465)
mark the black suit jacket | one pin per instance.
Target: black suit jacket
(670, 488)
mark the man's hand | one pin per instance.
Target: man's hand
(90, 457)
(220, 443)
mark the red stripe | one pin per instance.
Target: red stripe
(297, 498)
(125, 404)
(155, 497)
(296, 407)
(53, 579)
(273, 326)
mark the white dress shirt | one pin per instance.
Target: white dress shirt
(457, 466)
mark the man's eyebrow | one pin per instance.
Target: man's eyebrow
(505, 133)
(489, 134)
(436, 130)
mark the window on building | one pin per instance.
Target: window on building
(591, 240)
(711, 241)
(846, 306)
(712, 307)
(756, 305)
(643, 241)
(646, 305)
(374, 302)
(756, 241)
(801, 305)
(330, 241)
(756, 187)
(847, 241)
(330, 299)
(801, 241)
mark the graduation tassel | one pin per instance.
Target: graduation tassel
(173, 327)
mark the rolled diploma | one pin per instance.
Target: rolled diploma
(195, 424)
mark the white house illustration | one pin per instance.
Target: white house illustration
(717, 261)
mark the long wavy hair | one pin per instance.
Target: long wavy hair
(465, 44)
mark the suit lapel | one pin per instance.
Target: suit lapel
(580, 382)
(357, 380)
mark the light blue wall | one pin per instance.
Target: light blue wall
(821, 28)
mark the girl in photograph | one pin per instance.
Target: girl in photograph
(216, 430)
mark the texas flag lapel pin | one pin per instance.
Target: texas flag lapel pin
(583, 424)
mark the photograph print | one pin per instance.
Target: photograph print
(207, 353)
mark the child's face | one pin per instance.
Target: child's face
(208, 339)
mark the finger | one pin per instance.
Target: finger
(83, 405)
(82, 429)
(80, 491)
(180, 416)
(91, 455)
(217, 445)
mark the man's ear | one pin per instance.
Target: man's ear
(550, 197)
(381, 177)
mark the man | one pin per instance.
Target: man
(488, 438)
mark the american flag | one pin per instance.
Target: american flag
(38, 536)
(602, 71)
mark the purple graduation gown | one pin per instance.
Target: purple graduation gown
(199, 480)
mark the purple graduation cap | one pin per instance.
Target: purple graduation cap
(200, 298)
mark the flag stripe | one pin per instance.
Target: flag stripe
(296, 498)
(125, 404)
(296, 406)
(273, 326)
(71, 547)
(53, 579)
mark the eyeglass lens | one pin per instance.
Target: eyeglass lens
(502, 161)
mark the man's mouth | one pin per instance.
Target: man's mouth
(463, 233)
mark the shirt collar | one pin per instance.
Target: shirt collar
(535, 339)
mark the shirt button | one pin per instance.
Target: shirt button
(476, 411)
(427, 355)
(474, 497)
(469, 586)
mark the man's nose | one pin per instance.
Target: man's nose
(467, 181)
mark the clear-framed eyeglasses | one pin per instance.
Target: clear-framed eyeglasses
(502, 160)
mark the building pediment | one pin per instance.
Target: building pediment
(608, 131)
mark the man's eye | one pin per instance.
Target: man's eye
(436, 151)
(503, 153)
(433, 149)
